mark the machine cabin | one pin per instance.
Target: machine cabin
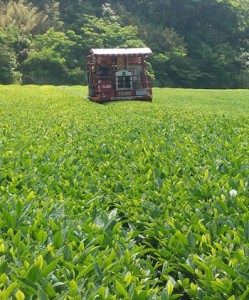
(118, 74)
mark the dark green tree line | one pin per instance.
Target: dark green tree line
(195, 43)
(212, 32)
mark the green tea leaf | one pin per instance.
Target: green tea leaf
(50, 268)
(121, 289)
(20, 295)
(19, 207)
(170, 286)
(57, 239)
(33, 273)
(164, 295)
(226, 268)
(244, 296)
(42, 236)
(246, 230)
(98, 271)
(9, 219)
(5, 294)
(28, 284)
(41, 294)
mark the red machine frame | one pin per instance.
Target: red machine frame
(127, 78)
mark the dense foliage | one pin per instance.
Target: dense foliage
(126, 200)
(196, 43)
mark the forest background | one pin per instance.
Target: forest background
(195, 43)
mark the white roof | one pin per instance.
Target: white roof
(121, 51)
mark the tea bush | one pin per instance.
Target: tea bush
(125, 200)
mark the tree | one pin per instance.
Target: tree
(72, 12)
(107, 31)
(26, 17)
(44, 67)
(53, 59)
(8, 61)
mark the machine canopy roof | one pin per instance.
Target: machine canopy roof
(121, 51)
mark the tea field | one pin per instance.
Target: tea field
(125, 200)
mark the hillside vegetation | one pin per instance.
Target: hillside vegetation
(195, 43)
(124, 200)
